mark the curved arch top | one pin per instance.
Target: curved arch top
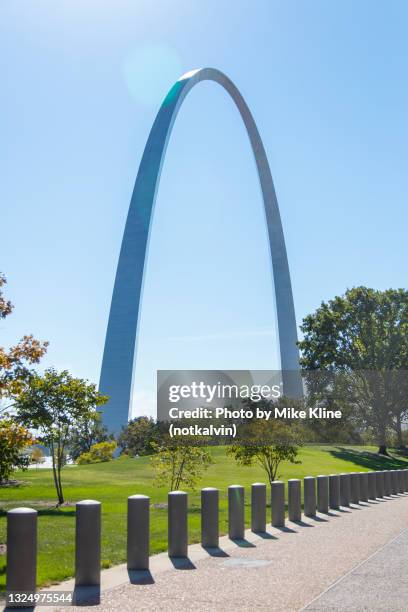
(119, 352)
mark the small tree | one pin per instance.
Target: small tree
(139, 436)
(268, 444)
(15, 362)
(87, 431)
(180, 462)
(14, 439)
(53, 404)
(98, 453)
(37, 456)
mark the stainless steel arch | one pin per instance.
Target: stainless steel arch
(119, 352)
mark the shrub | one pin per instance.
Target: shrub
(99, 453)
(37, 456)
(14, 439)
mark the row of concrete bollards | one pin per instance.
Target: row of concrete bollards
(320, 494)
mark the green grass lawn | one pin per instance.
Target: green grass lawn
(111, 483)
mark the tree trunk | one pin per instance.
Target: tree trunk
(382, 440)
(61, 499)
(59, 466)
(56, 470)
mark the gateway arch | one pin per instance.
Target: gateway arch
(121, 336)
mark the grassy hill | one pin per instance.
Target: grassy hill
(111, 483)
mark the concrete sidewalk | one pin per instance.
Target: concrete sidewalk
(281, 570)
(379, 583)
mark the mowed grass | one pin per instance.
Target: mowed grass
(111, 483)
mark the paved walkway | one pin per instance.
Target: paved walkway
(283, 570)
(379, 583)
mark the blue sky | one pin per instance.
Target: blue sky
(81, 84)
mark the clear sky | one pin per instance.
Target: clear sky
(82, 81)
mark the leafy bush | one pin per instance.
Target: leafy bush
(99, 453)
(37, 456)
(14, 439)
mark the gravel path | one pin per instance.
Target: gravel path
(284, 570)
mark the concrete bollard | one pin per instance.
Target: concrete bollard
(177, 524)
(398, 481)
(395, 481)
(383, 482)
(294, 500)
(391, 482)
(334, 491)
(372, 485)
(380, 484)
(258, 507)
(309, 496)
(209, 517)
(278, 504)
(236, 512)
(363, 486)
(391, 477)
(345, 490)
(394, 484)
(355, 487)
(138, 529)
(322, 493)
(406, 479)
(401, 487)
(387, 483)
(21, 551)
(88, 543)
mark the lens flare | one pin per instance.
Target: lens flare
(148, 70)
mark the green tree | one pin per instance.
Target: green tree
(139, 436)
(53, 404)
(361, 338)
(14, 439)
(98, 453)
(87, 431)
(180, 462)
(15, 363)
(267, 443)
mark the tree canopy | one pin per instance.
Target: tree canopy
(267, 443)
(363, 336)
(15, 362)
(53, 404)
(180, 462)
(139, 436)
(14, 439)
